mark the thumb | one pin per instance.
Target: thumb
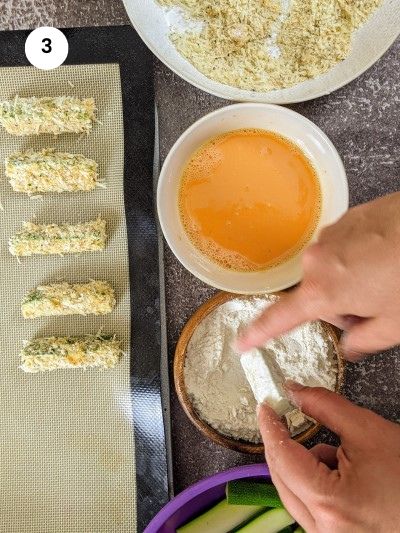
(290, 311)
(330, 409)
(366, 336)
(289, 461)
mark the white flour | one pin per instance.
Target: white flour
(179, 22)
(214, 377)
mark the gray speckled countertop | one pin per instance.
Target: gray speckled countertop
(361, 119)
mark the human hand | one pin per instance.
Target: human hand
(351, 489)
(351, 279)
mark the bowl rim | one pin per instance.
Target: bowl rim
(184, 497)
(341, 175)
(178, 369)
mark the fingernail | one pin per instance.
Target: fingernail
(350, 353)
(353, 355)
(239, 344)
(263, 406)
(293, 386)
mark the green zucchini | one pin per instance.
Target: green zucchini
(241, 492)
(271, 521)
(221, 518)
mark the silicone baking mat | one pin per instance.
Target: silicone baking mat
(85, 451)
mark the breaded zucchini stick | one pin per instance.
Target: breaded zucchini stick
(46, 239)
(50, 171)
(51, 353)
(61, 114)
(94, 297)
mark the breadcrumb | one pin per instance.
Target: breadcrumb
(94, 297)
(61, 114)
(34, 172)
(263, 45)
(89, 351)
(46, 239)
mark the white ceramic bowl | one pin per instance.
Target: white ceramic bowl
(312, 141)
(369, 43)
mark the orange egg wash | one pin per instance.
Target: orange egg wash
(249, 199)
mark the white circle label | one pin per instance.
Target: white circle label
(46, 48)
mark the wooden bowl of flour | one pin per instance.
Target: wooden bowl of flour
(179, 375)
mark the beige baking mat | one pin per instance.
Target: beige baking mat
(66, 447)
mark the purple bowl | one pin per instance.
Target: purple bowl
(199, 497)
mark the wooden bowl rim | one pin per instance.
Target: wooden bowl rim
(179, 362)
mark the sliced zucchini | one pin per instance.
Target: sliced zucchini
(221, 518)
(271, 521)
(246, 492)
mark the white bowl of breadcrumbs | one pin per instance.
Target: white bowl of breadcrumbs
(274, 51)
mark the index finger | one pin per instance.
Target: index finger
(301, 471)
(290, 311)
(331, 409)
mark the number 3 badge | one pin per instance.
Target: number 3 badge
(46, 48)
